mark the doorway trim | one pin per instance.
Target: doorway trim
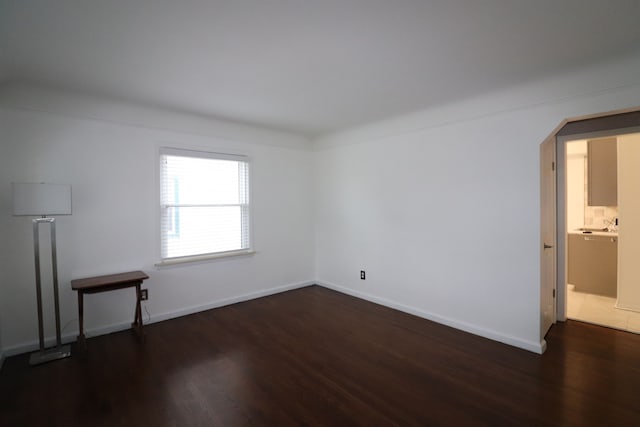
(600, 124)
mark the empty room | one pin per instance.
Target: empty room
(357, 212)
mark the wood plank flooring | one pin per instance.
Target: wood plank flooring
(316, 357)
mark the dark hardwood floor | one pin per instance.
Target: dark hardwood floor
(316, 357)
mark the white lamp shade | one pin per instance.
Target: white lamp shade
(41, 199)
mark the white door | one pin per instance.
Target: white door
(548, 234)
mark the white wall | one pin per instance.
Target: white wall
(441, 207)
(4, 249)
(629, 214)
(112, 168)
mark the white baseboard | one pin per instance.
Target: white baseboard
(536, 347)
(626, 308)
(229, 301)
(107, 329)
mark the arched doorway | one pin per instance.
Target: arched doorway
(553, 243)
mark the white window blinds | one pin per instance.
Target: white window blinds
(204, 203)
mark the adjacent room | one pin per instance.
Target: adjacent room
(601, 194)
(355, 212)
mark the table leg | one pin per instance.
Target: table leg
(81, 338)
(137, 321)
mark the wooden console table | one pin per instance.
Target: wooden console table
(110, 282)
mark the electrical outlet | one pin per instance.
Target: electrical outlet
(144, 294)
(362, 275)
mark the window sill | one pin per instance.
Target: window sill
(201, 258)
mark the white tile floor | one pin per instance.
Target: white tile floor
(601, 311)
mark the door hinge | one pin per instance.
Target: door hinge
(554, 293)
(553, 166)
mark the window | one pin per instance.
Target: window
(204, 204)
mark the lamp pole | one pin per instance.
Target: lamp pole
(59, 351)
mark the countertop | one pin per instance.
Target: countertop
(595, 233)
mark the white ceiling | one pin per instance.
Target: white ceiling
(306, 66)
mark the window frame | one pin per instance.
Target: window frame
(203, 154)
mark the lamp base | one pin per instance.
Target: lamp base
(50, 355)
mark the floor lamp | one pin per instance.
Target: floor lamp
(42, 200)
